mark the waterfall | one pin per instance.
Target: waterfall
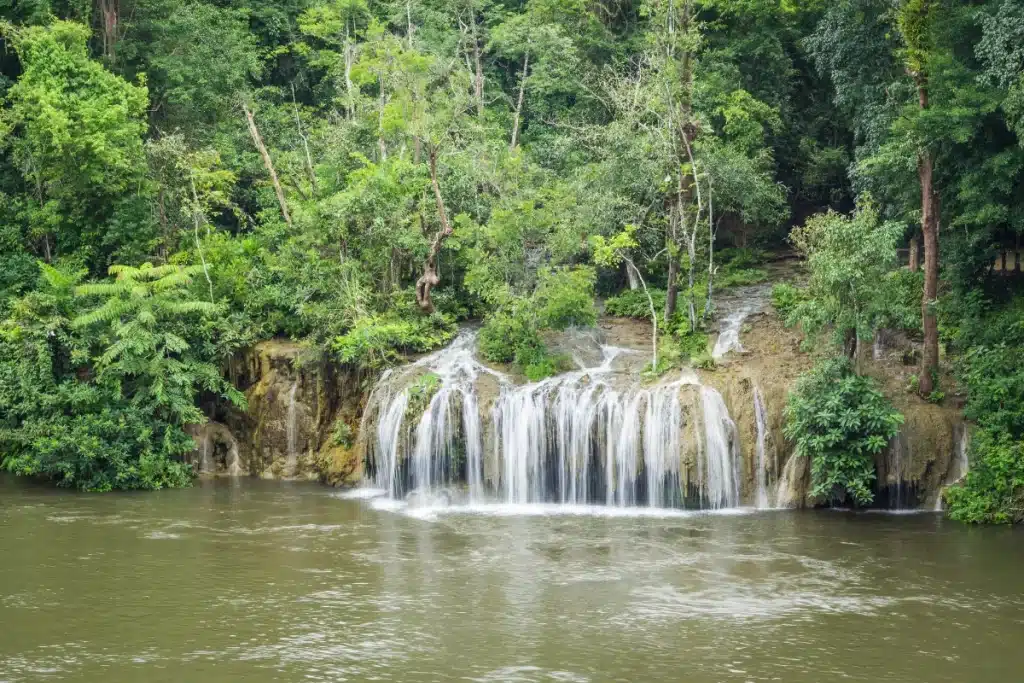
(445, 446)
(958, 467)
(793, 483)
(722, 454)
(746, 302)
(761, 419)
(291, 434)
(591, 436)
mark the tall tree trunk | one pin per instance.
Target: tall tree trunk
(478, 81)
(930, 353)
(268, 162)
(350, 58)
(108, 11)
(915, 247)
(930, 232)
(686, 134)
(310, 171)
(519, 103)
(430, 278)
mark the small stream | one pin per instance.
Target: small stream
(245, 580)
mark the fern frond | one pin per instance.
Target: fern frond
(114, 309)
(185, 307)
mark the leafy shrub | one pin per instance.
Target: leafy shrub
(900, 307)
(633, 304)
(421, 392)
(849, 258)
(376, 341)
(993, 490)
(741, 258)
(507, 334)
(990, 368)
(741, 277)
(342, 434)
(98, 399)
(565, 298)
(840, 421)
(512, 336)
(786, 298)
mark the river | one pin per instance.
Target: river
(243, 580)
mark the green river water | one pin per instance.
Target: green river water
(265, 581)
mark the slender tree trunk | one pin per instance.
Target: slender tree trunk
(631, 278)
(686, 134)
(350, 58)
(430, 278)
(108, 20)
(915, 247)
(519, 103)
(478, 80)
(310, 171)
(197, 218)
(268, 162)
(930, 232)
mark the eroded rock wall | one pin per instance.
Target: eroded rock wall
(292, 427)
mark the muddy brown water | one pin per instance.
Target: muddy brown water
(265, 581)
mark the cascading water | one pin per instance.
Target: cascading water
(722, 457)
(592, 436)
(958, 468)
(445, 447)
(760, 417)
(746, 302)
(291, 433)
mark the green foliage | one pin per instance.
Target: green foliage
(125, 143)
(840, 421)
(378, 341)
(342, 434)
(993, 490)
(786, 299)
(421, 392)
(97, 399)
(565, 298)
(990, 369)
(849, 259)
(633, 304)
(512, 335)
(73, 131)
(737, 278)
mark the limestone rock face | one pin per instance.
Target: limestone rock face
(290, 429)
(924, 457)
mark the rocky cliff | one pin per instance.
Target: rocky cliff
(300, 422)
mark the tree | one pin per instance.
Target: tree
(914, 19)
(148, 358)
(849, 259)
(616, 250)
(74, 132)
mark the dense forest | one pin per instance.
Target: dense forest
(179, 180)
